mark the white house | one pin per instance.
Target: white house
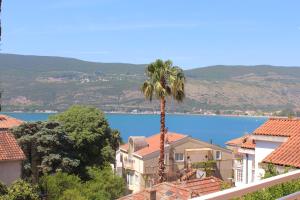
(277, 141)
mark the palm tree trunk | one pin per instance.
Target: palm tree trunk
(161, 166)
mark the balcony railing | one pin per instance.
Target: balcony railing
(253, 187)
(128, 164)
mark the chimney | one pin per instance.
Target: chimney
(152, 194)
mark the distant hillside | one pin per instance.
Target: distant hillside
(54, 83)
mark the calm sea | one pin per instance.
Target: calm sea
(219, 129)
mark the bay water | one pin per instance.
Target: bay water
(215, 129)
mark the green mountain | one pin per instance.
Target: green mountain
(54, 83)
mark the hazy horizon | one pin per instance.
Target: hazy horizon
(185, 68)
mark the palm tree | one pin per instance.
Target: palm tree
(164, 80)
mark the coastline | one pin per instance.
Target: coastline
(152, 113)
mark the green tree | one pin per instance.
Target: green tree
(73, 194)
(56, 184)
(3, 189)
(47, 148)
(270, 170)
(21, 190)
(94, 141)
(164, 80)
(104, 184)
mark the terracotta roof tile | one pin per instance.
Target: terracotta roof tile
(124, 147)
(166, 191)
(181, 191)
(287, 154)
(249, 143)
(245, 142)
(236, 141)
(153, 143)
(9, 148)
(7, 122)
(279, 127)
(203, 186)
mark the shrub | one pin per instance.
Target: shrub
(55, 185)
(21, 190)
(3, 189)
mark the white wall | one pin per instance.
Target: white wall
(247, 166)
(262, 150)
(10, 171)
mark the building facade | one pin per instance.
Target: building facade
(276, 142)
(137, 161)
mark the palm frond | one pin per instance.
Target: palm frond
(147, 89)
(166, 80)
(159, 90)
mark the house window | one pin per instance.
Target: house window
(130, 177)
(218, 155)
(179, 157)
(239, 175)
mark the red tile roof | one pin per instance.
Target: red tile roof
(7, 122)
(153, 143)
(203, 186)
(279, 127)
(9, 148)
(245, 142)
(249, 143)
(236, 141)
(180, 191)
(287, 154)
(166, 191)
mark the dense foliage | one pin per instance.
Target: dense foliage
(209, 167)
(103, 184)
(21, 190)
(70, 142)
(3, 189)
(94, 142)
(47, 149)
(69, 157)
(275, 192)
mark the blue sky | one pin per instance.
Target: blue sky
(192, 33)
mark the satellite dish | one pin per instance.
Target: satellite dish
(200, 174)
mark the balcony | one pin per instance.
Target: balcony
(128, 164)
